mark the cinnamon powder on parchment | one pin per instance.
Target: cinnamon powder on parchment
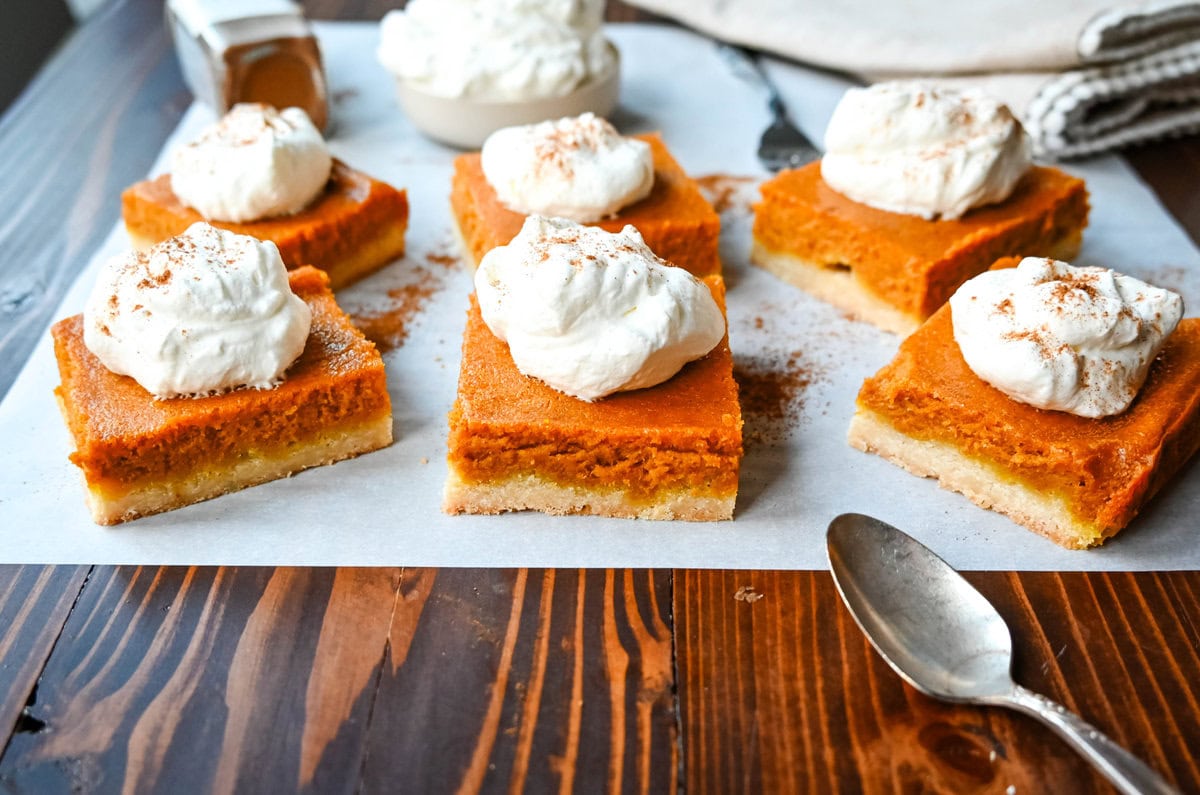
(728, 192)
(388, 328)
(772, 385)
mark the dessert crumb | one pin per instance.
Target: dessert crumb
(746, 593)
(424, 459)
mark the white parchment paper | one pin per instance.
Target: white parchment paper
(805, 360)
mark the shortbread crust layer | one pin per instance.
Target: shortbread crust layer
(112, 503)
(527, 492)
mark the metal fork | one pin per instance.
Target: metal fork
(782, 145)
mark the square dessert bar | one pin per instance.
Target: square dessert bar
(1073, 479)
(141, 455)
(676, 221)
(895, 270)
(670, 451)
(355, 227)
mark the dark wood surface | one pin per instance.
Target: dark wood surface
(384, 680)
(43, 24)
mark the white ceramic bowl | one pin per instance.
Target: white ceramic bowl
(466, 123)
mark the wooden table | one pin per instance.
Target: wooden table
(259, 679)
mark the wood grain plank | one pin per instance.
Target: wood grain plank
(526, 680)
(1124, 652)
(783, 693)
(42, 24)
(34, 604)
(224, 679)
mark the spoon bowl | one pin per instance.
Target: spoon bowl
(951, 645)
(946, 640)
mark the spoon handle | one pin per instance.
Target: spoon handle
(1127, 773)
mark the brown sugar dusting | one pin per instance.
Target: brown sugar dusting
(771, 391)
(726, 192)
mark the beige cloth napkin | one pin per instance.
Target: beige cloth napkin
(1084, 75)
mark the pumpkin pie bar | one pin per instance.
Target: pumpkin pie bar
(141, 455)
(670, 451)
(352, 229)
(1074, 479)
(676, 221)
(894, 270)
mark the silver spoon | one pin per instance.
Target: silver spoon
(946, 640)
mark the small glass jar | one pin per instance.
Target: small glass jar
(235, 51)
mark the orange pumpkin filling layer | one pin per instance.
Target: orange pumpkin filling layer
(356, 226)
(676, 221)
(911, 263)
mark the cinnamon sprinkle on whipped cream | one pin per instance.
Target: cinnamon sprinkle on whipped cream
(579, 168)
(1079, 340)
(917, 149)
(591, 312)
(201, 313)
(254, 163)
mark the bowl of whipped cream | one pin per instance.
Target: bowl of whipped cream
(466, 68)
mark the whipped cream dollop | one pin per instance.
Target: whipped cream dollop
(197, 314)
(1079, 340)
(909, 147)
(592, 312)
(579, 167)
(496, 50)
(255, 162)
